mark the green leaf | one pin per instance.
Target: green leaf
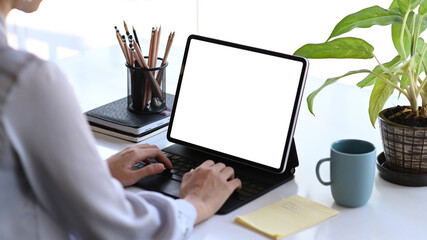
(328, 82)
(338, 48)
(379, 95)
(423, 8)
(395, 35)
(408, 5)
(366, 18)
(423, 24)
(394, 5)
(371, 78)
(404, 79)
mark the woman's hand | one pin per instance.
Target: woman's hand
(208, 187)
(121, 164)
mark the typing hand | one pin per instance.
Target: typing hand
(208, 187)
(121, 164)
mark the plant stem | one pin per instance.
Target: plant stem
(386, 70)
(411, 91)
(390, 83)
(413, 38)
(414, 92)
(402, 34)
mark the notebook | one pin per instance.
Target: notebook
(237, 105)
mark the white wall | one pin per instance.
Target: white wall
(63, 28)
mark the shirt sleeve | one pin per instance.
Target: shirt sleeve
(68, 177)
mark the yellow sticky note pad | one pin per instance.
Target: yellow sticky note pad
(287, 216)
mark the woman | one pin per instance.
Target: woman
(53, 183)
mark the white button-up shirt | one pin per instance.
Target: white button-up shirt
(53, 183)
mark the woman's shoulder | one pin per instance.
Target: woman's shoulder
(13, 62)
(20, 68)
(16, 62)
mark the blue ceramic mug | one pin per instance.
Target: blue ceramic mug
(352, 171)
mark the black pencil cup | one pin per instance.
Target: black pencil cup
(146, 88)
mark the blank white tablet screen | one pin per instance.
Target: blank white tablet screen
(236, 102)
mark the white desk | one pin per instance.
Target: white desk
(393, 212)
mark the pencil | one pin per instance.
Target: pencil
(150, 63)
(168, 47)
(156, 46)
(131, 56)
(126, 27)
(132, 59)
(150, 52)
(126, 49)
(135, 35)
(141, 61)
(139, 56)
(119, 38)
(165, 57)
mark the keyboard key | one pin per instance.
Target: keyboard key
(176, 177)
(168, 155)
(250, 190)
(174, 157)
(244, 195)
(139, 165)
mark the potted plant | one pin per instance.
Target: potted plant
(405, 73)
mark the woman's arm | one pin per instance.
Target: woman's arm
(68, 177)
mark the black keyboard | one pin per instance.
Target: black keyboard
(181, 165)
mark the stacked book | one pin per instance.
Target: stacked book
(114, 119)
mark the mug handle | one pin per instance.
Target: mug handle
(317, 171)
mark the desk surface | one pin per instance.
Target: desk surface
(393, 212)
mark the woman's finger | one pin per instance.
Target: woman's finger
(207, 163)
(228, 173)
(219, 166)
(142, 154)
(149, 170)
